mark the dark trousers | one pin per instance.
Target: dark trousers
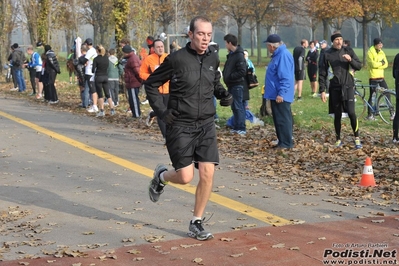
(338, 106)
(382, 83)
(51, 89)
(395, 126)
(282, 118)
(134, 102)
(32, 76)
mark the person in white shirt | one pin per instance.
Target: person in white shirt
(89, 78)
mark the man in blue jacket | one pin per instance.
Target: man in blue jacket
(279, 89)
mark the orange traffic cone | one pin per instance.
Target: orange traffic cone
(368, 175)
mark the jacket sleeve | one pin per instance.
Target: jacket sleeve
(240, 69)
(219, 90)
(160, 76)
(371, 60)
(54, 63)
(355, 63)
(145, 69)
(136, 68)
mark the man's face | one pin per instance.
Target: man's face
(270, 48)
(378, 46)
(159, 48)
(201, 36)
(305, 44)
(337, 43)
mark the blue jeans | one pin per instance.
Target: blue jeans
(85, 96)
(238, 107)
(20, 79)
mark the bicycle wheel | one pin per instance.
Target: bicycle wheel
(360, 106)
(386, 106)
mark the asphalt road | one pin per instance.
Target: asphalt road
(78, 182)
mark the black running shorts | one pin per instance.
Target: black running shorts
(300, 75)
(187, 145)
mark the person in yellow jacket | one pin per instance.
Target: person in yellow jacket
(377, 62)
(148, 66)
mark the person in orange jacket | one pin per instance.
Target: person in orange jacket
(148, 66)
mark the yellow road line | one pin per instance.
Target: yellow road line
(221, 200)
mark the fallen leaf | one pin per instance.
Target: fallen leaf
(237, 255)
(281, 245)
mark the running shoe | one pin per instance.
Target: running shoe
(92, 109)
(358, 144)
(100, 114)
(197, 231)
(112, 112)
(156, 185)
(395, 141)
(338, 143)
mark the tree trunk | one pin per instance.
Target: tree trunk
(365, 43)
(258, 44)
(325, 29)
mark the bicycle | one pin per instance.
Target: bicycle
(383, 105)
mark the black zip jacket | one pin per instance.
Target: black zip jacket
(52, 62)
(235, 68)
(340, 67)
(194, 80)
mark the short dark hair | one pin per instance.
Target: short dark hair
(230, 38)
(201, 18)
(111, 51)
(157, 40)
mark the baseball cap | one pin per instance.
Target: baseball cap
(273, 38)
(127, 49)
(89, 41)
(323, 41)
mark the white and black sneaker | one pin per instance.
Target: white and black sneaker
(156, 185)
(197, 231)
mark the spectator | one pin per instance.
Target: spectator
(90, 90)
(70, 66)
(340, 60)
(100, 70)
(35, 69)
(115, 71)
(323, 47)
(377, 62)
(132, 79)
(312, 58)
(299, 60)
(80, 73)
(395, 73)
(280, 90)
(18, 60)
(346, 43)
(234, 72)
(52, 68)
(148, 66)
(13, 68)
(191, 134)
